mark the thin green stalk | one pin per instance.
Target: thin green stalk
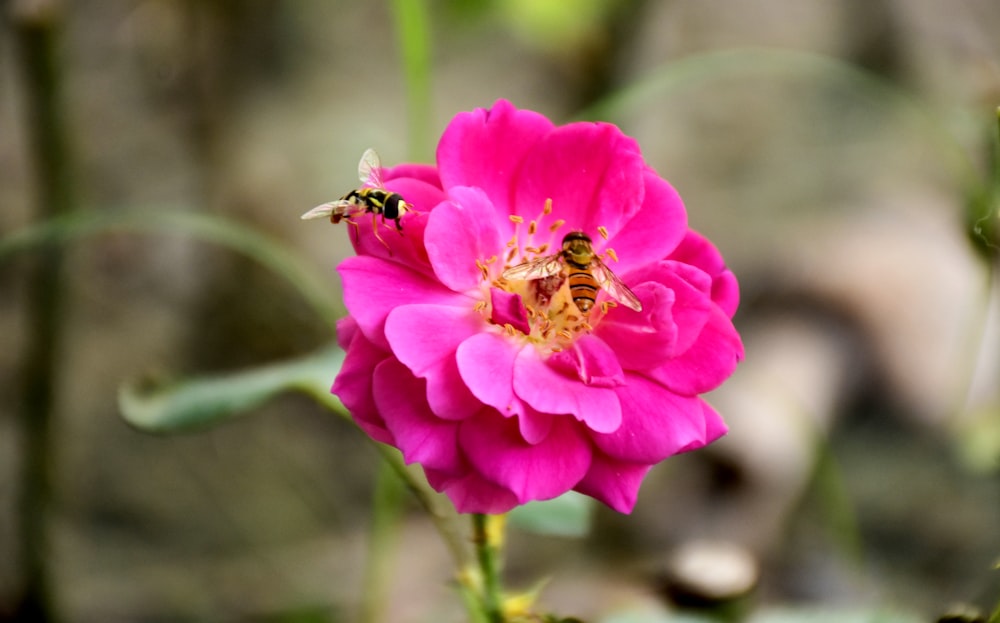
(438, 509)
(309, 282)
(488, 540)
(413, 40)
(386, 514)
(36, 31)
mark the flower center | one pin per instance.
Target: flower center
(554, 281)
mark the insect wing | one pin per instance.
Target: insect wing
(538, 268)
(340, 207)
(614, 286)
(370, 169)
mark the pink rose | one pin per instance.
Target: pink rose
(503, 390)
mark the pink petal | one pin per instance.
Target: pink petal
(692, 299)
(696, 250)
(471, 493)
(485, 148)
(646, 339)
(495, 448)
(726, 292)
(422, 196)
(424, 338)
(591, 360)
(401, 247)
(656, 423)
(655, 230)
(535, 426)
(549, 391)
(592, 173)
(486, 363)
(347, 330)
(508, 308)
(373, 287)
(419, 435)
(714, 428)
(459, 233)
(426, 173)
(616, 483)
(353, 386)
(709, 361)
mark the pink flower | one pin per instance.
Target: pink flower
(503, 390)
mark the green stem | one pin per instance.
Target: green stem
(36, 32)
(488, 542)
(438, 509)
(413, 38)
(387, 509)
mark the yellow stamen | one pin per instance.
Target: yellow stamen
(611, 253)
(554, 227)
(603, 231)
(516, 219)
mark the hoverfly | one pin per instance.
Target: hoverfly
(584, 269)
(372, 198)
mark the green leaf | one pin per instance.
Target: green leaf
(568, 515)
(202, 402)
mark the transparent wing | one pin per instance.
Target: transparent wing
(340, 207)
(614, 286)
(370, 169)
(538, 268)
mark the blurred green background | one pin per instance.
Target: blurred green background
(842, 154)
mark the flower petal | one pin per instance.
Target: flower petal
(709, 361)
(419, 435)
(591, 360)
(546, 389)
(508, 309)
(655, 230)
(645, 339)
(460, 233)
(485, 148)
(353, 386)
(495, 448)
(715, 427)
(471, 493)
(373, 287)
(592, 173)
(696, 250)
(426, 173)
(692, 297)
(616, 483)
(424, 338)
(486, 363)
(656, 423)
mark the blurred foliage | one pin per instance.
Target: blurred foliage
(983, 201)
(569, 515)
(197, 403)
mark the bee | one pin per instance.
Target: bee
(372, 198)
(584, 269)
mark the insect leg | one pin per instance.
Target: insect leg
(375, 231)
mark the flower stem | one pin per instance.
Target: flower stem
(387, 512)
(37, 33)
(488, 540)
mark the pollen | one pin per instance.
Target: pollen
(603, 231)
(516, 219)
(556, 225)
(611, 253)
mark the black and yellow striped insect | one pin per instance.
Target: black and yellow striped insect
(584, 269)
(371, 198)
